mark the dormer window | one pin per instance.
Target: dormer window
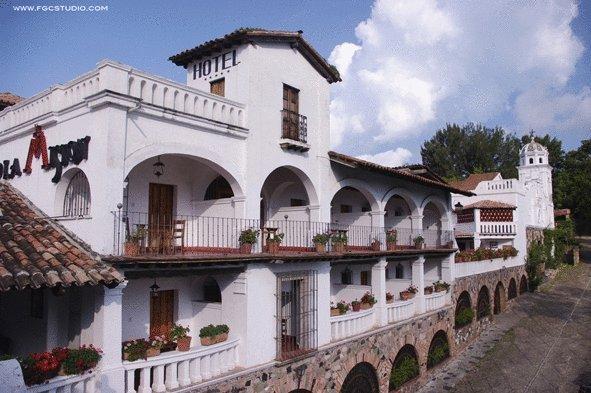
(218, 87)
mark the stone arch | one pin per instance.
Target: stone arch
(438, 349)
(405, 367)
(360, 186)
(483, 303)
(523, 286)
(512, 292)
(362, 378)
(462, 316)
(500, 300)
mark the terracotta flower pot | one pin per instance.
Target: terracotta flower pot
(338, 247)
(183, 343)
(391, 246)
(356, 307)
(389, 301)
(419, 245)
(366, 306)
(375, 246)
(246, 248)
(272, 247)
(206, 341)
(428, 290)
(335, 312)
(131, 249)
(320, 247)
(221, 337)
(151, 352)
(406, 295)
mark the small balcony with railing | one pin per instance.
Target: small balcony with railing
(294, 131)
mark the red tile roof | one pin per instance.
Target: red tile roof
(488, 204)
(472, 181)
(244, 35)
(399, 173)
(35, 251)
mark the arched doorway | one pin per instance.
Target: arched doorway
(398, 213)
(464, 313)
(350, 213)
(512, 289)
(499, 302)
(523, 285)
(483, 303)
(438, 350)
(404, 368)
(432, 225)
(361, 379)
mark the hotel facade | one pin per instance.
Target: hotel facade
(219, 202)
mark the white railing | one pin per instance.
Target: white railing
(85, 383)
(464, 269)
(435, 300)
(351, 324)
(499, 185)
(400, 310)
(123, 79)
(498, 228)
(173, 370)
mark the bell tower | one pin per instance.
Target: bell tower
(535, 175)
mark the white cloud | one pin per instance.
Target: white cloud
(397, 157)
(421, 63)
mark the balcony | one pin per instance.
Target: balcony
(294, 135)
(145, 236)
(498, 229)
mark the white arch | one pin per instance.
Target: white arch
(408, 197)
(222, 165)
(439, 204)
(360, 186)
(306, 182)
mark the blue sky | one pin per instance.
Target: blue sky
(517, 66)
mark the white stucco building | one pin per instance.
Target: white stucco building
(161, 179)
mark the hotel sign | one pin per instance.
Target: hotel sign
(215, 64)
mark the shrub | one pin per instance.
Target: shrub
(438, 354)
(249, 236)
(536, 257)
(406, 369)
(481, 254)
(464, 317)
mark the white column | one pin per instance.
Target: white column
(378, 219)
(378, 288)
(323, 293)
(417, 225)
(418, 280)
(108, 336)
(477, 228)
(447, 273)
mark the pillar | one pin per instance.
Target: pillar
(418, 280)
(417, 225)
(377, 219)
(378, 288)
(108, 323)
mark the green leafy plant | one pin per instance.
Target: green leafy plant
(437, 354)
(418, 240)
(212, 331)
(178, 331)
(249, 236)
(464, 317)
(441, 286)
(135, 349)
(81, 360)
(404, 370)
(321, 238)
(368, 298)
(391, 236)
(275, 237)
(343, 307)
(536, 258)
(339, 237)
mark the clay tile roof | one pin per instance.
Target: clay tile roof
(488, 204)
(472, 181)
(399, 173)
(8, 99)
(35, 251)
(248, 34)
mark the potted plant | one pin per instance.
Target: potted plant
(391, 236)
(441, 286)
(376, 244)
(356, 305)
(367, 301)
(340, 309)
(247, 238)
(419, 241)
(211, 334)
(408, 293)
(179, 334)
(81, 360)
(320, 240)
(334, 311)
(429, 290)
(389, 297)
(135, 349)
(155, 347)
(273, 241)
(339, 241)
(131, 247)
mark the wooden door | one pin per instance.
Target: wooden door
(290, 112)
(160, 216)
(161, 313)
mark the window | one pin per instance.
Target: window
(77, 198)
(291, 118)
(365, 277)
(297, 202)
(211, 291)
(399, 270)
(531, 160)
(347, 277)
(218, 87)
(346, 209)
(219, 188)
(541, 160)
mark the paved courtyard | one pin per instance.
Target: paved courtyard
(542, 344)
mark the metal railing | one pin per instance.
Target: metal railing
(140, 233)
(294, 126)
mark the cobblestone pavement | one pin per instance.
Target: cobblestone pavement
(542, 344)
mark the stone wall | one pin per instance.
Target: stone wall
(327, 369)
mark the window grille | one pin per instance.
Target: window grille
(297, 304)
(77, 198)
